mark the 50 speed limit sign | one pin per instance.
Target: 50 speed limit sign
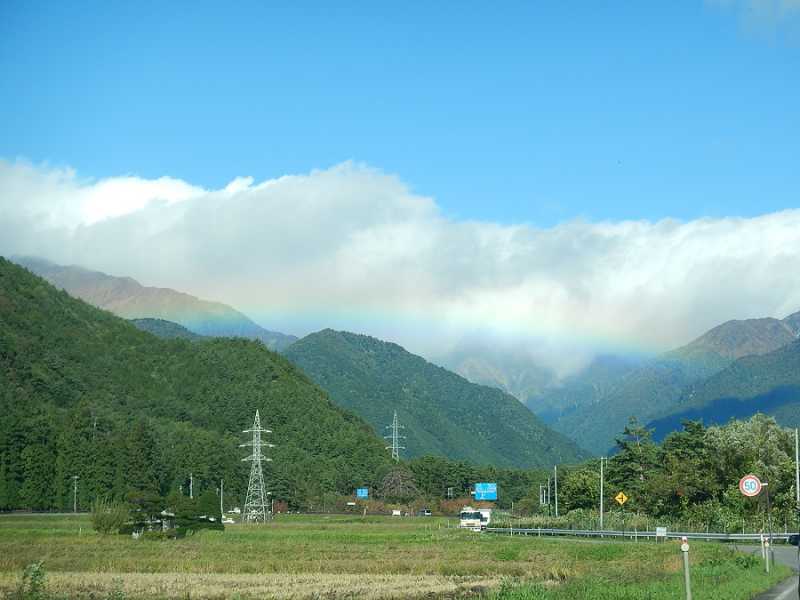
(750, 485)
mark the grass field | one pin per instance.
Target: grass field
(351, 557)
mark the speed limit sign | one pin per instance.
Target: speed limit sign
(750, 485)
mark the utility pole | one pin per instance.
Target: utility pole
(797, 495)
(395, 436)
(555, 484)
(549, 510)
(255, 506)
(221, 492)
(191, 486)
(770, 551)
(797, 468)
(75, 493)
(601, 493)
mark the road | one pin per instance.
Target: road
(786, 555)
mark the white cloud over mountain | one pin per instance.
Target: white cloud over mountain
(352, 247)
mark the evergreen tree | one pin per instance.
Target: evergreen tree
(635, 462)
(142, 464)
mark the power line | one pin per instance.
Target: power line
(255, 506)
(395, 436)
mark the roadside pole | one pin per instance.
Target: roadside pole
(770, 551)
(797, 468)
(797, 493)
(549, 510)
(687, 580)
(601, 493)
(555, 484)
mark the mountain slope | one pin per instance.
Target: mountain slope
(127, 298)
(768, 383)
(165, 329)
(510, 370)
(657, 387)
(443, 413)
(86, 393)
(584, 388)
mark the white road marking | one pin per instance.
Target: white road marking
(785, 594)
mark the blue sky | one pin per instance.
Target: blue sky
(508, 112)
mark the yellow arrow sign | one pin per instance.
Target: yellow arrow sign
(621, 498)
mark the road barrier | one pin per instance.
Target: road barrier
(726, 537)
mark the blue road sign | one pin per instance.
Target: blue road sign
(485, 491)
(362, 493)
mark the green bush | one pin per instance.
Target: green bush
(108, 517)
(32, 586)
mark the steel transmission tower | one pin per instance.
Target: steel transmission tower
(395, 436)
(255, 506)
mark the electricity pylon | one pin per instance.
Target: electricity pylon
(255, 506)
(395, 437)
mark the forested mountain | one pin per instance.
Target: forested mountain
(509, 369)
(584, 388)
(768, 383)
(657, 387)
(127, 298)
(444, 414)
(165, 329)
(86, 393)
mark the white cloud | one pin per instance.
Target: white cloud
(764, 16)
(352, 247)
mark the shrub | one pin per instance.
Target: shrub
(32, 586)
(107, 516)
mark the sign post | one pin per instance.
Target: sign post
(751, 486)
(687, 580)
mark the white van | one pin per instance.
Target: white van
(475, 518)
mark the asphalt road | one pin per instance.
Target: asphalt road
(788, 590)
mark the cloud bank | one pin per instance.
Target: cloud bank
(352, 247)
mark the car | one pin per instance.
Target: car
(424, 512)
(794, 539)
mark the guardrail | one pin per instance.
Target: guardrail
(634, 534)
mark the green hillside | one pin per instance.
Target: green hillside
(657, 388)
(768, 383)
(86, 393)
(165, 329)
(584, 388)
(443, 413)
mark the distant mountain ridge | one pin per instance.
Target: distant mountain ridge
(768, 383)
(166, 330)
(127, 298)
(444, 414)
(510, 370)
(658, 387)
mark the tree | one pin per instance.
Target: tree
(580, 487)
(634, 464)
(686, 473)
(398, 485)
(141, 468)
